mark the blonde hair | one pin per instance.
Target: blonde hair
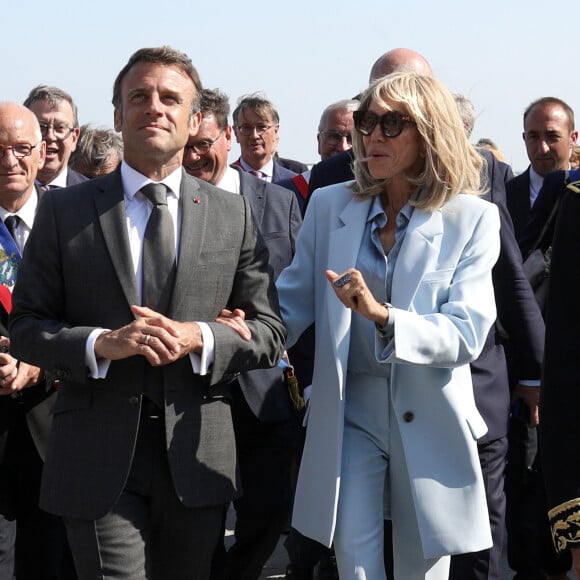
(452, 165)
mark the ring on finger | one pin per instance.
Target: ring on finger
(147, 339)
(343, 280)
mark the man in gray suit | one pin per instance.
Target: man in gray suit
(141, 457)
(264, 422)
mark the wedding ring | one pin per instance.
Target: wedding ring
(147, 338)
(344, 279)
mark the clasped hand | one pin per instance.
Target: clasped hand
(159, 339)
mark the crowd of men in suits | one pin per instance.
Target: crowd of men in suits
(139, 468)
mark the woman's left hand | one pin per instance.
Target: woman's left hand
(350, 288)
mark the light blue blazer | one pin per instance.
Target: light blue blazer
(443, 295)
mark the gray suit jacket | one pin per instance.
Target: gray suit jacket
(77, 274)
(278, 218)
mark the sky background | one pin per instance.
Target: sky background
(303, 54)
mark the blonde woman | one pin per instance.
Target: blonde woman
(395, 270)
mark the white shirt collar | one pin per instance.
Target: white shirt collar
(230, 180)
(133, 181)
(26, 213)
(59, 180)
(267, 170)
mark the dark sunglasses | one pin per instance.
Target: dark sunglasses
(392, 122)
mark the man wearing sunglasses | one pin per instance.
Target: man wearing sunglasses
(58, 118)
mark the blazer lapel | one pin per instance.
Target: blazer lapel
(344, 245)
(110, 206)
(193, 202)
(418, 254)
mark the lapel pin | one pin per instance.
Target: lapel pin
(196, 200)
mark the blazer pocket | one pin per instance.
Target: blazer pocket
(438, 276)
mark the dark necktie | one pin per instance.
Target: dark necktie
(158, 248)
(11, 222)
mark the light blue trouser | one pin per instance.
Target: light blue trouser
(372, 444)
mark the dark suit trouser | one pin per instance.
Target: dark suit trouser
(40, 545)
(148, 534)
(486, 564)
(265, 453)
(531, 552)
(7, 541)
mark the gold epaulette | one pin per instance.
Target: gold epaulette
(565, 521)
(574, 186)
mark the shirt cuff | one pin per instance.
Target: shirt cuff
(98, 368)
(202, 363)
(530, 383)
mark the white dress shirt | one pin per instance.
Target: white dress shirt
(138, 209)
(26, 214)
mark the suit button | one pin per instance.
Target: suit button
(134, 400)
(408, 416)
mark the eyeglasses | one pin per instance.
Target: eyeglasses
(336, 137)
(249, 129)
(392, 122)
(19, 151)
(61, 130)
(203, 147)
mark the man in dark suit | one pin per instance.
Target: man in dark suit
(264, 422)
(141, 457)
(33, 542)
(516, 338)
(59, 124)
(256, 124)
(549, 136)
(334, 137)
(560, 427)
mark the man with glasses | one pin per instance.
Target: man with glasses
(264, 422)
(256, 124)
(25, 396)
(334, 137)
(335, 128)
(58, 118)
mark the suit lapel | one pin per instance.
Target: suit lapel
(110, 206)
(344, 245)
(419, 252)
(194, 205)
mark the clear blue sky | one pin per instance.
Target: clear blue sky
(303, 54)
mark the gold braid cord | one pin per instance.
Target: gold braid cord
(574, 186)
(565, 522)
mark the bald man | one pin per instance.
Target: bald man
(400, 60)
(25, 396)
